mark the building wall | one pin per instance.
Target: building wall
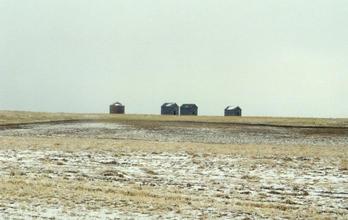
(171, 110)
(192, 110)
(117, 109)
(233, 112)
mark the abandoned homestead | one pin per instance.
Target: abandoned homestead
(189, 109)
(170, 108)
(233, 111)
(117, 108)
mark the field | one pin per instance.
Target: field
(87, 166)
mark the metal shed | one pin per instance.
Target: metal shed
(189, 109)
(233, 111)
(170, 108)
(117, 108)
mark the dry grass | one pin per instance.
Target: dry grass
(19, 117)
(76, 192)
(119, 146)
(344, 163)
(50, 183)
(14, 117)
(70, 194)
(46, 189)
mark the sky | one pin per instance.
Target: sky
(270, 57)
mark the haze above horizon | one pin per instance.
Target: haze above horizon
(272, 58)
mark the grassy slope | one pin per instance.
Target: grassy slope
(15, 117)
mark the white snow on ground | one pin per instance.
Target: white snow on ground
(175, 133)
(15, 211)
(214, 185)
(283, 180)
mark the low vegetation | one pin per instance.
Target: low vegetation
(15, 117)
(85, 171)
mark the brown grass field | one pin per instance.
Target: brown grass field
(158, 167)
(15, 117)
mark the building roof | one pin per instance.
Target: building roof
(169, 104)
(188, 105)
(117, 104)
(230, 107)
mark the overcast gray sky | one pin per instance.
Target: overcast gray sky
(271, 57)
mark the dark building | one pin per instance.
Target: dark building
(188, 109)
(233, 111)
(170, 108)
(117, 108)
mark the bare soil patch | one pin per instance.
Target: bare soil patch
(186, 132)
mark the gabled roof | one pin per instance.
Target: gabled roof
(230, 107)
(117, 104)
(169, 104)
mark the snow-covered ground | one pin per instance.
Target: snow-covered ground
(186, 132)
(290, 183)
(123, 183)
